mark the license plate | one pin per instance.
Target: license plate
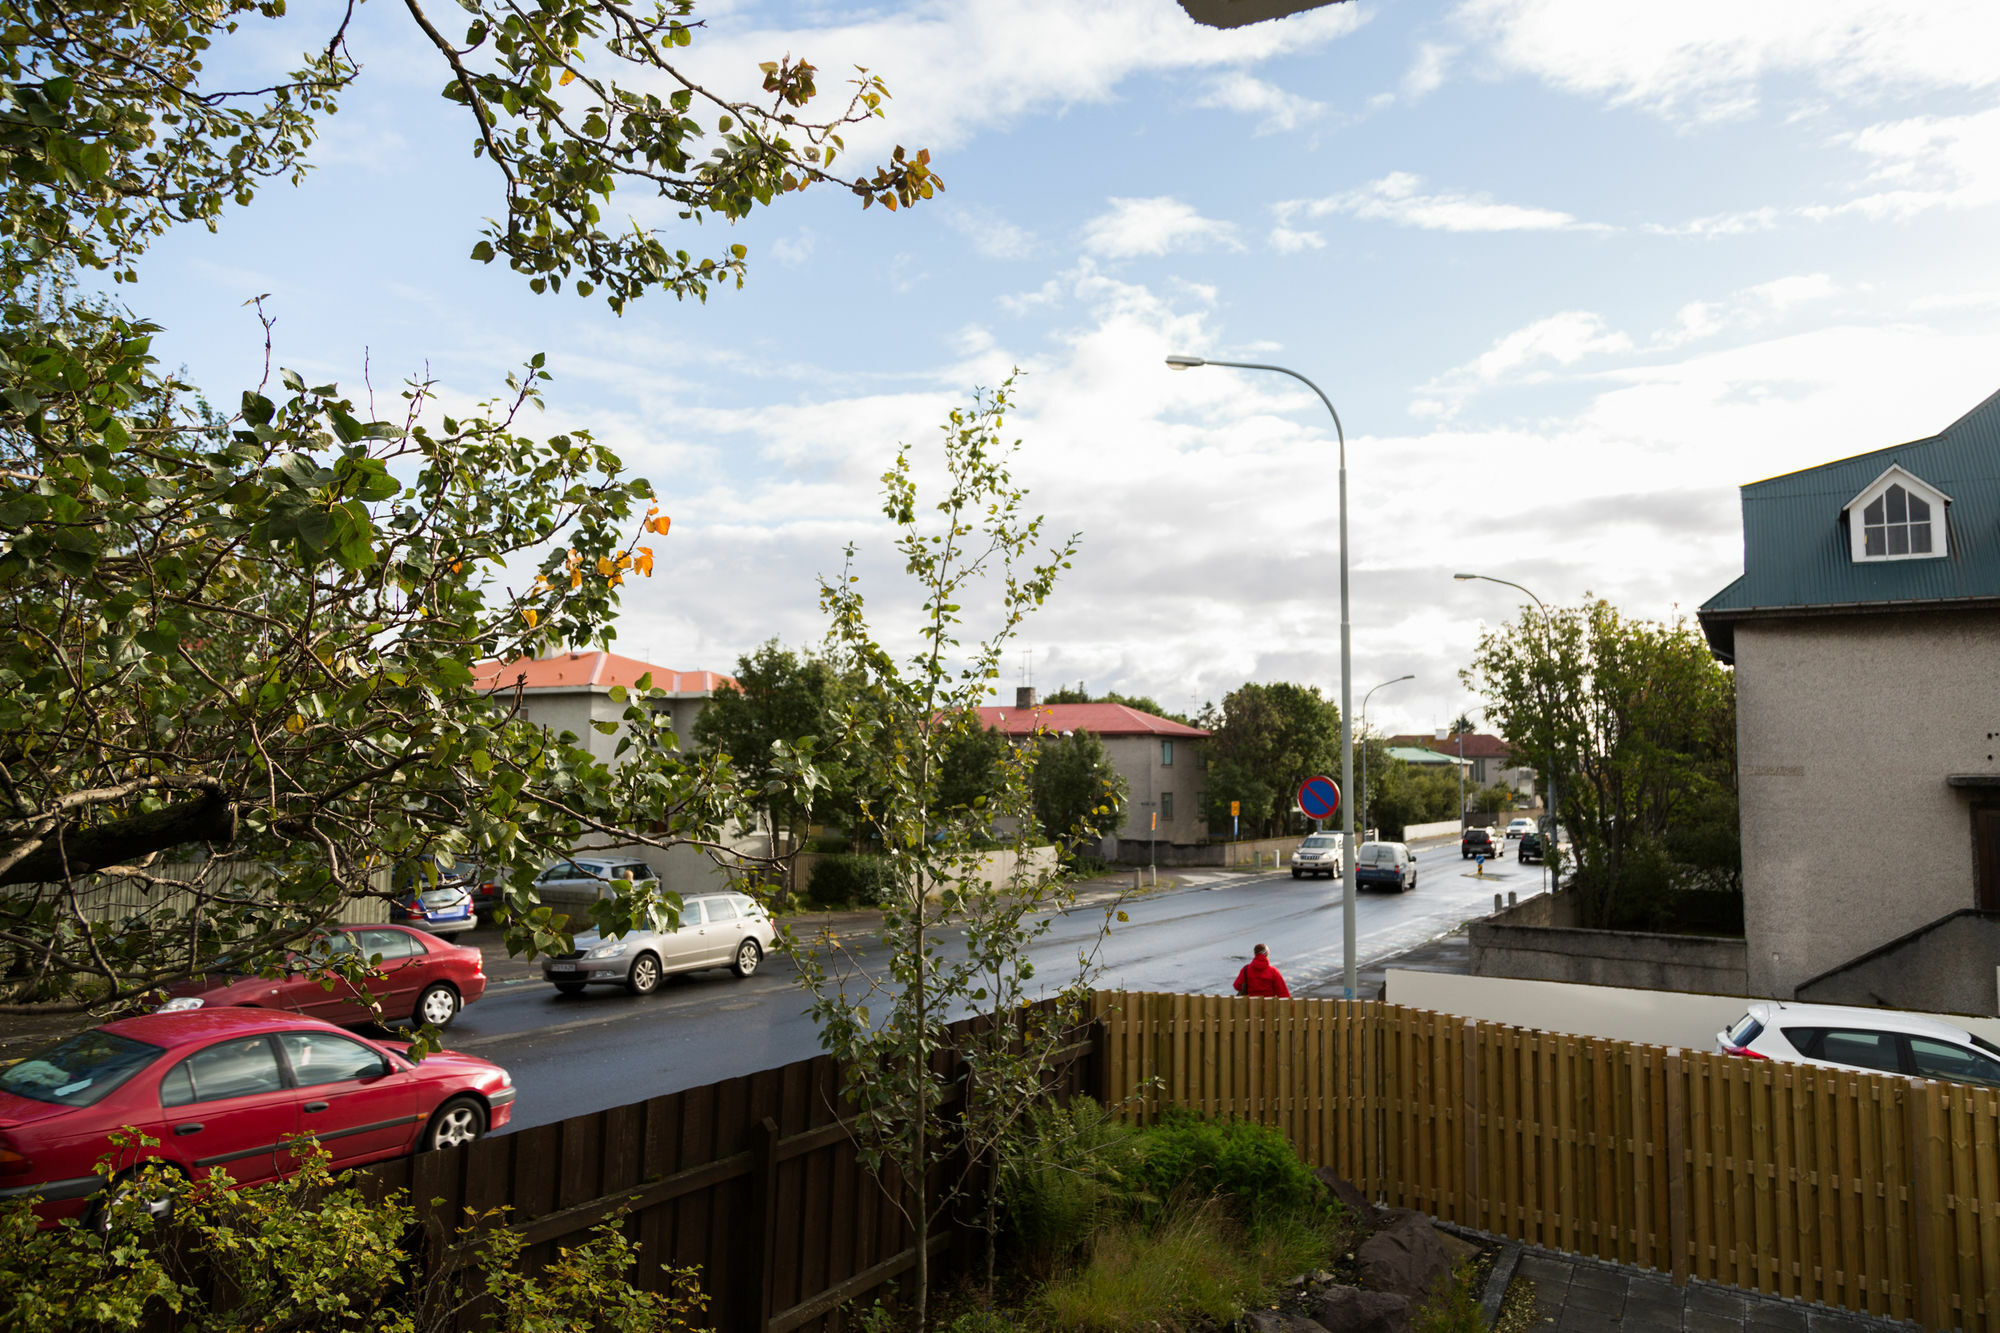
(451, 914)
(562, 967)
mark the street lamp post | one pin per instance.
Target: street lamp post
(1346, 690)
(1362, 796)
(1548, 626)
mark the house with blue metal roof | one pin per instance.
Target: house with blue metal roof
(1865, 633)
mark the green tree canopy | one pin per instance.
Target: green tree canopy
(253, 635)
(1267, 740)
(1078, 794)
(1641, 719)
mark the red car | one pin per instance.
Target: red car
(225, 1088)
(424, 979)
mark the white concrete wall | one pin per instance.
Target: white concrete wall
(1846, 730)
(1664, 1018)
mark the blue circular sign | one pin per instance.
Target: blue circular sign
(1319, 798)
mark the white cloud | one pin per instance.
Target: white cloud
(1276, 109)
(991, 235)
(1155, 226)
(1719, 224)
(1399, 198)
(1287, 241)
(1521, 357)
(1427, 72)
(957, 69)
(1926, 162)
(792, 251)
(1708, 59)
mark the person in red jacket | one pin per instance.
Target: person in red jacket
(1258, 977)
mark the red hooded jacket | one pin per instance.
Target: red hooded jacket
(1258, 977)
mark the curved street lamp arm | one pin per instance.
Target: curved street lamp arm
(1258, 365)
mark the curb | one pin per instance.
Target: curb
(1497, 1282)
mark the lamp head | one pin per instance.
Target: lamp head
(1178, 362)
(1465, 576)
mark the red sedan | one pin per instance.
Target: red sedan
(423, 978)
(226, 1088)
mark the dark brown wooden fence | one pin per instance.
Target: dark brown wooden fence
(754, 1181)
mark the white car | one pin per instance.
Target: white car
(1869, 1041)
(1319, 854)
(590, 877)
(716, 930)
(1516, 827)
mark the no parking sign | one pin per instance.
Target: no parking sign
(1319, 798)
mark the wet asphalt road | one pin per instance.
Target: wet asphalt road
(570, 1055)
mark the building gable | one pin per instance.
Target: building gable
(1805, 539)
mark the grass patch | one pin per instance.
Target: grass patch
(1195, 1263)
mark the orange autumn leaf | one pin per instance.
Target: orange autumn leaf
(644, 563)
(660, 524)
(531, 615)
(605, 567)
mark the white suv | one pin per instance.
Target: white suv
(1868, 1041)
(1319, 854)
(715, 930)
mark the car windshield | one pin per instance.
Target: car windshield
(79, 1071)
(1319, 840)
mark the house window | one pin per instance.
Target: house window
(1899, 516)
(1896, 523)
(1166, 805)
(1166, 754)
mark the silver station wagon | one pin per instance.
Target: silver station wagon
(716, 930)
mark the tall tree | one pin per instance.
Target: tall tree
(1078, 793)
(1641, 720)
(253, 636)
(1267, 740)
(884, 1015)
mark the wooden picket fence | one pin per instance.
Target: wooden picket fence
(1871, 1192)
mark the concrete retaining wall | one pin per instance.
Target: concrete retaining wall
(1620, 1013)
(1538, 940)
(1952, 964)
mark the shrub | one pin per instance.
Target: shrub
(850, 880)
(308, 1252)
(1253, 1165)
(1453, 1306)
(1069, 1175)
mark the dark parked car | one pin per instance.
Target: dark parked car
(1478, 842)
(1530, 852)
(225, 1087)
(423, 979)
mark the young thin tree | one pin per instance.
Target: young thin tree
(953, 941)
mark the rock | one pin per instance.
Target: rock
(1350, 1197)
(1405, 1258)
(1279, 1321)
(1352, 1310)
(1458, 1247)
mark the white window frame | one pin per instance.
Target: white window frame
(1897, 475)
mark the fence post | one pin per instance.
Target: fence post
(1917, 1145)
(757, 1226)
(1470, 1116)
(1677, 1217)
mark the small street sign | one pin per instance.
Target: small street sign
(1235, 809)
(1319, 797)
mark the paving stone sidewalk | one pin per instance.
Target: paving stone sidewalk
(1574, 1295)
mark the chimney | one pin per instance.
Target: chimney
(1024, 697)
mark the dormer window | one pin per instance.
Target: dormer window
(1897, 523)
(1898, 517)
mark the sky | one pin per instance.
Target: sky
(1571, 272)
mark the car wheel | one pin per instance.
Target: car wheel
(159, 1208)
(1298, 874)
(569, 987)
(644, 977)
(748, 955)
(438, 1005)
(460, 1121)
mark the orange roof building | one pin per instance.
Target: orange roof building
(569, 691)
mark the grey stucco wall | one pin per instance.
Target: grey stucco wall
(1953, 969)
(1535, 942)
(1137, 759)
(1847, 728)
